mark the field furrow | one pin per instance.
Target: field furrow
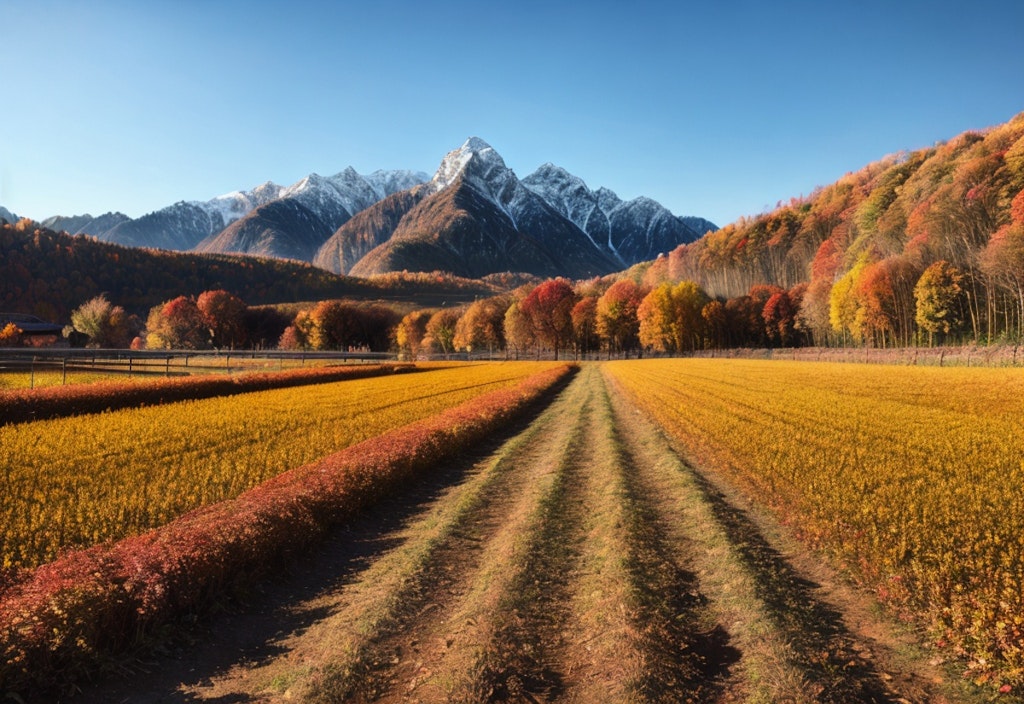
(792, 646)
(579, 559)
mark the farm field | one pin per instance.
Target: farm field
(908, 477)
(578, 558)
(645, 538)
(74, 482)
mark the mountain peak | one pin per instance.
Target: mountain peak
(474, 156)
(475, 144)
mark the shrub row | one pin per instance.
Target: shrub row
(72, 612)
(24, 405)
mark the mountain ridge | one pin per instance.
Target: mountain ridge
(569, 229)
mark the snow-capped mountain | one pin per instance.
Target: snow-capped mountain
(183, 225)
(473, 217)
(305, 214)
(630, 231)
(476, 217)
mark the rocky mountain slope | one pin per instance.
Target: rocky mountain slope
(305, 214)
(474, 217)
(477, 217)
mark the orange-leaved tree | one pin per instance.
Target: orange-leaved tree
(617, 321)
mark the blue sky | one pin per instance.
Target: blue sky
(718, 109)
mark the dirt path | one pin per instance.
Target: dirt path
(579, 561)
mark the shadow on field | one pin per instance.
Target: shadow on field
(822, 646)
(249, 633)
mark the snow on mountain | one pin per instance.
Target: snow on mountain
(479, 219)
(316, 207)
(386, 183)
(237, 204)
(631, 231)
(7, 215)
(85, 224)
(333, 200)
(337, 198)
(477, 164)
(474, 204)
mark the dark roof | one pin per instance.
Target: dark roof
(30, 324)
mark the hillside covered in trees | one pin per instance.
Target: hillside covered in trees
(49, 274)
(919, 247)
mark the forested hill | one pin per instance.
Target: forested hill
(49, 274)
(951, 215)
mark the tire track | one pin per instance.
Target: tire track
(424, 607)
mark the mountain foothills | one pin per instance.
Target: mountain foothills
(474, 217)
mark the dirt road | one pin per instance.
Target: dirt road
(580, 561)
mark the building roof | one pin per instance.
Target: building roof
(30, 324)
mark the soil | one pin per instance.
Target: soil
(579, 558)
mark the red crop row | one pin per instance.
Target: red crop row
(104, 599)
(23, 405)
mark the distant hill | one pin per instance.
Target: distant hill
(49, 273)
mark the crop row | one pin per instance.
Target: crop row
(23, 405)
(77, 481)
(91, 602)
(909, 477)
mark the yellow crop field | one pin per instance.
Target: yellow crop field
(40, 379)
(911, 477)
(78, 481)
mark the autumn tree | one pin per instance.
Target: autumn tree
(715, 323)
(332, 325)
(779, 315)
(617, 321)
(584, 325)
(441, 330)
(410, 332)
(340, 325)
(549, 309)
(518, 329)
(761, 332)
(938, 295)
(291, 339)
(224, 314)
(10, 335)
(106, 325)
(843, 303)
(1003, 261)
(884, 296)
(176, 324)
(482, 326)
(670, 317)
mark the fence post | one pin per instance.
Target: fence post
(64, 370)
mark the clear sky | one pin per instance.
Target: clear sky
(717, 108)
